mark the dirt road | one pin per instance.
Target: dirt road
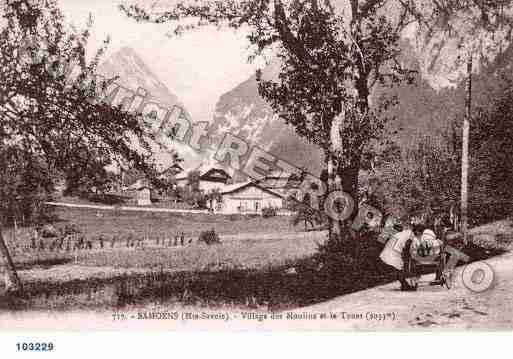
(431, 307)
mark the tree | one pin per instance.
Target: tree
(214, 196)
(24, 185)
(425, 175)
(193, 180)
(303, 212)
(51, 116)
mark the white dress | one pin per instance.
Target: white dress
(392, 253)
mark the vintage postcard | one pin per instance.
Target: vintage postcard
(256, 164)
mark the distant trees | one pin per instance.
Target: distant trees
(25, 184)
(427, 175)
(193, 180)
(491, 146)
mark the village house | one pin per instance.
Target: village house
(143, 191)
(209, 180)
(246, 198)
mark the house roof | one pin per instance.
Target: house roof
(282, 183)
(238, 186)
(213, 170)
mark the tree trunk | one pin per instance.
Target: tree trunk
(342, 178)
(347, 181)
(12, 281)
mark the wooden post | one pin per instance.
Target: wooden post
(465, 153)
(329, 185)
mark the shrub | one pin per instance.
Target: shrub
(268, 212)
(235, 217)
(209, 237)
(338, 257)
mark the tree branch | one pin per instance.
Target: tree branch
(290, 42)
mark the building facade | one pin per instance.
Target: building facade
(246, 198)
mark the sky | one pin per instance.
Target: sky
(198, 66)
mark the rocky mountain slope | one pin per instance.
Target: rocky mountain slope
(134, 74)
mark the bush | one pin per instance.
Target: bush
(235, 217)
(338, 257)
(209, 237)
(269, 212)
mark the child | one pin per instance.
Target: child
(396, 251)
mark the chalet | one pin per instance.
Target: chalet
(246, 198)
(210, 179)
(143, 190)
(214, 178)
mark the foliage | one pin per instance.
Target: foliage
(209, 237)
(214, 195)
(305, 213)
(25, 185)
(427, 175)
(193, 180)
(195, 198)
(337, 258)
(491, 146)
(50, 99)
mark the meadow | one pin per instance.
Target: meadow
(260, 263)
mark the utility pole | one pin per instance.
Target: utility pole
(465, 153)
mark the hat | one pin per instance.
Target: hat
(428, 235)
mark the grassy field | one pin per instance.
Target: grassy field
(270, 272)
(109, 223)
(160, 245)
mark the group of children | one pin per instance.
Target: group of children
(399, 247)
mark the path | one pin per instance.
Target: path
(126, 208)
(431, 307)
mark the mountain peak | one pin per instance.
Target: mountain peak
(133, 74)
